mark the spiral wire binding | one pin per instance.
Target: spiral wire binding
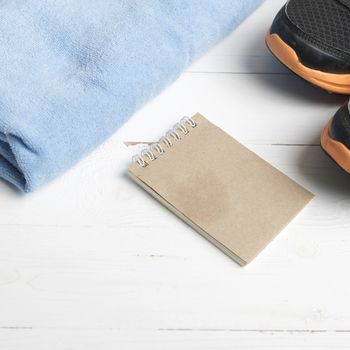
(166, 141)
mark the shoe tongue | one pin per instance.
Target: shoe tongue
(345, 3)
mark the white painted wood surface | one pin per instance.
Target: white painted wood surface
(91, 262)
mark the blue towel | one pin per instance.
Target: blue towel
(71, 72)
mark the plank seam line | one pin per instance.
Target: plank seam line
(243, 330)
(257, 330)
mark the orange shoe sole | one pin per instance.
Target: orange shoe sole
(338, 83)
(335, 149)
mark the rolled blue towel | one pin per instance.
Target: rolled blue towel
(71, 72)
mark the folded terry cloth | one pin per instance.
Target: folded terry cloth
(71, 72)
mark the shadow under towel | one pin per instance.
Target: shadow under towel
(71, 72)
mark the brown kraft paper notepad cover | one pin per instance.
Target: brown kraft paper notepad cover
(223, 190)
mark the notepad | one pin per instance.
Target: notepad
(224, 191)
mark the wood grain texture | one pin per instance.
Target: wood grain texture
(91, 262)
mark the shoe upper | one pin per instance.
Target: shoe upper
(340, 126)
(318, 31)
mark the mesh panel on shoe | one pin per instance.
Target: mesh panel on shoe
(325, 20)
(345, 2)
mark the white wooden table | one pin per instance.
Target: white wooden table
(92, 262)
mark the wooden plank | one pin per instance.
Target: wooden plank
(256, 108)
(98, 192)
(103, 339)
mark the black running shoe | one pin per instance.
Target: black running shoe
(312, 38)
(335, 139)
